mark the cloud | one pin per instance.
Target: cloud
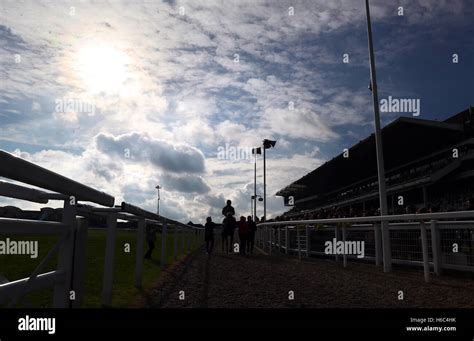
(138, 147)
(183, 96)
(185, 183)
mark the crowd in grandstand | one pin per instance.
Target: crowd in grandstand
(443, 203)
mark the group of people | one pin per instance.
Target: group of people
(246, 230)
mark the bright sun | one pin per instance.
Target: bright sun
(102, 69)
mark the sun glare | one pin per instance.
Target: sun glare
(102, 69)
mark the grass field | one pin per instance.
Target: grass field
(15, 267)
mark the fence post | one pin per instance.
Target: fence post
(344, 256)
(61, 290)
(378, 245)
(139, 252)
(336, 235)
(270, 240)
(79, 265)
(185, 240)
(267, 238)
(264, 238)
(163, 244)
(182, 241)
(287, 240)
(189, 240)
(279, 239)
(386, 248)
(175, 242)
(424, 246)
(308, 241)
(109, 259)
(298, 241)
(436, 247)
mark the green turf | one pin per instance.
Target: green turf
(15, 267)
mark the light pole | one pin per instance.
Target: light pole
(266, 145)
(379, 148)
(158, 202)
(255, 151)
(254, 199)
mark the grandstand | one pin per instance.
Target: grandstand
(430, 164)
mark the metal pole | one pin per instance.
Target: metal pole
(378, 145)
(255, 186)
(436, 247)
(378, 245)
(158, 203)
(424, 247)
(264, 186)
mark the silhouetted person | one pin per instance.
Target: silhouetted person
(228, 227)
(252, 226)
(150, 239)
(243, 234)
(228, 209)
(469, 205)
(209, 234)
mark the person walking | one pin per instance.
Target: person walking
(228, 209)
(209, 234)
(252, 227)
(229, 225)
(243, 234)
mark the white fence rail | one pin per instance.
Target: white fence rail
(435, 241)
(71, 244)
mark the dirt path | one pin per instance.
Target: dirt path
(261, 281)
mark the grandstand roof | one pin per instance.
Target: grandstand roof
(404, 140)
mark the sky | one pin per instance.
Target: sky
(127, 95)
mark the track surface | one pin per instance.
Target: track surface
(261, 281)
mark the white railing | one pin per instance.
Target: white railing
(71, 245)
(433, 240)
